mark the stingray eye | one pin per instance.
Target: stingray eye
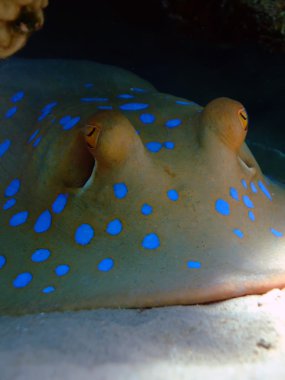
(243, 118)
(91, 135)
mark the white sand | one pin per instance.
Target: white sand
(242, 338)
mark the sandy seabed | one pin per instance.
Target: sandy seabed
(243, 338)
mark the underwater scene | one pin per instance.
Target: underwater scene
(142, 156)
(105, 179)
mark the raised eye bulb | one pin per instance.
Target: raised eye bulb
(243, 118)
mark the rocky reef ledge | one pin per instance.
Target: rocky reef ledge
(231, 20)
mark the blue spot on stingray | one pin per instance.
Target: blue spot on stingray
(133, 106)
(137, 89)
(247, 201)
(62, 270)
(33, 135)
(105, 265)
(94, 99)
(37, 141)
(169, 145)
(11, 112)
(2, 261)
(43, 222)
(114, 227)
(4, 146)
(153, 146)
(9, 204)
(173, 195)
(19, 218)
(47, 110)
(22, 280)
(84, 234)
(48, 289)
(147, 118)
(17, 97)
(184, 103)
(120, 190)
(105, 107)
(13, 188)
(234, 193)
(40, 255)
(98, 99)
(49, 106)
(151, 241)
(263, 188)
(173, 123)
(71, 123)
(146, 209)
(89, 85)
(251, 216)
(194, 264)
(244, 184)
(238, 233)
(253, 187)
(126, 96)
(64, 120)
(222, 207)
(43, 115)
(60, 203)
(276, 233)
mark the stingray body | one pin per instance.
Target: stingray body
(115, 195)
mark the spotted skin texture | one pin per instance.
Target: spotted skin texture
(116, 195)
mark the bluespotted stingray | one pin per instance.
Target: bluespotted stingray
(116, 195)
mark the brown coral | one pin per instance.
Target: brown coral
(18, 19)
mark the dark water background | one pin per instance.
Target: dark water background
(129, 35)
